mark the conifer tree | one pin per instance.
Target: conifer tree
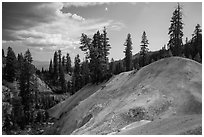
(96, 50)
(85, 72)
(119, 67)
(59, 57)
(187, 48)
(77, 71)
(68, 64)
(197, 38)
(56, 66)
(106, 45)
(176, 33)
(128, 53)
(105, 52)
(25, 87)
(63, 62)
(144, 48)
(112, 66)
(86, 45)
(42, 70)
(51, 67)
(91, 49)
(96, 54)
(3, 64)
(19, 64)
(62, 79)
(10, 68)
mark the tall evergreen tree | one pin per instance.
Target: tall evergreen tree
(56, 66)
(59, 57)
(19, 65)
(86, 45)
(91, 49)
(187, 48)
(106, 45)
(51, 67)
(112, 66)
(105, 52)
(68, 64)
(197, 38)
(128, 53)
(144, 48)
(25, 87)
(85, 72)
(96, 60)
(77, 76)
(3, 65)
(10, 68)
(96, 50)
(119, 67)
(62, 79)
(63, 62)
(176, 33)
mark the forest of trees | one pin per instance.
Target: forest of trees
(23, 103)
(64, 78)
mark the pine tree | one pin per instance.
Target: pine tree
(56, 66)
(105, 52)
(42, 70)
(77, 71)
(3, 65)
(106, 45)
(19, 65)
(96, 50)
(68, 64)
(63, 62)
(175, 32)
(25, 87)
(62, 79)
(197, 38)
(187, 48)
(128, 53)
(85, 72)
(51, 67)
(112, 67)
(144, 48)
(119, 67)
(10, 68)
(198, 58)
(36, 91)
(96, 54)
(86, 45)
(136, 63)
(59, 57)
(91, 49)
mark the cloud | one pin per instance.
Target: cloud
(77, 17)
(43, 26)
(83, 4)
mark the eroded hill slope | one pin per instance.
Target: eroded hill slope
(166, 90)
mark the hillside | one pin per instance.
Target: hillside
(164, 97)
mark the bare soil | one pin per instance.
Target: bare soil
(167, 94)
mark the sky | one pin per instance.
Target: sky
(44, 28)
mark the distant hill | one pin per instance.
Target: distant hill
(164, 97)
(41, 64)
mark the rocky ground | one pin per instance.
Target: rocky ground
(164, 97)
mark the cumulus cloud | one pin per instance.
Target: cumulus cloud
(45, 27)
(77, 17)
